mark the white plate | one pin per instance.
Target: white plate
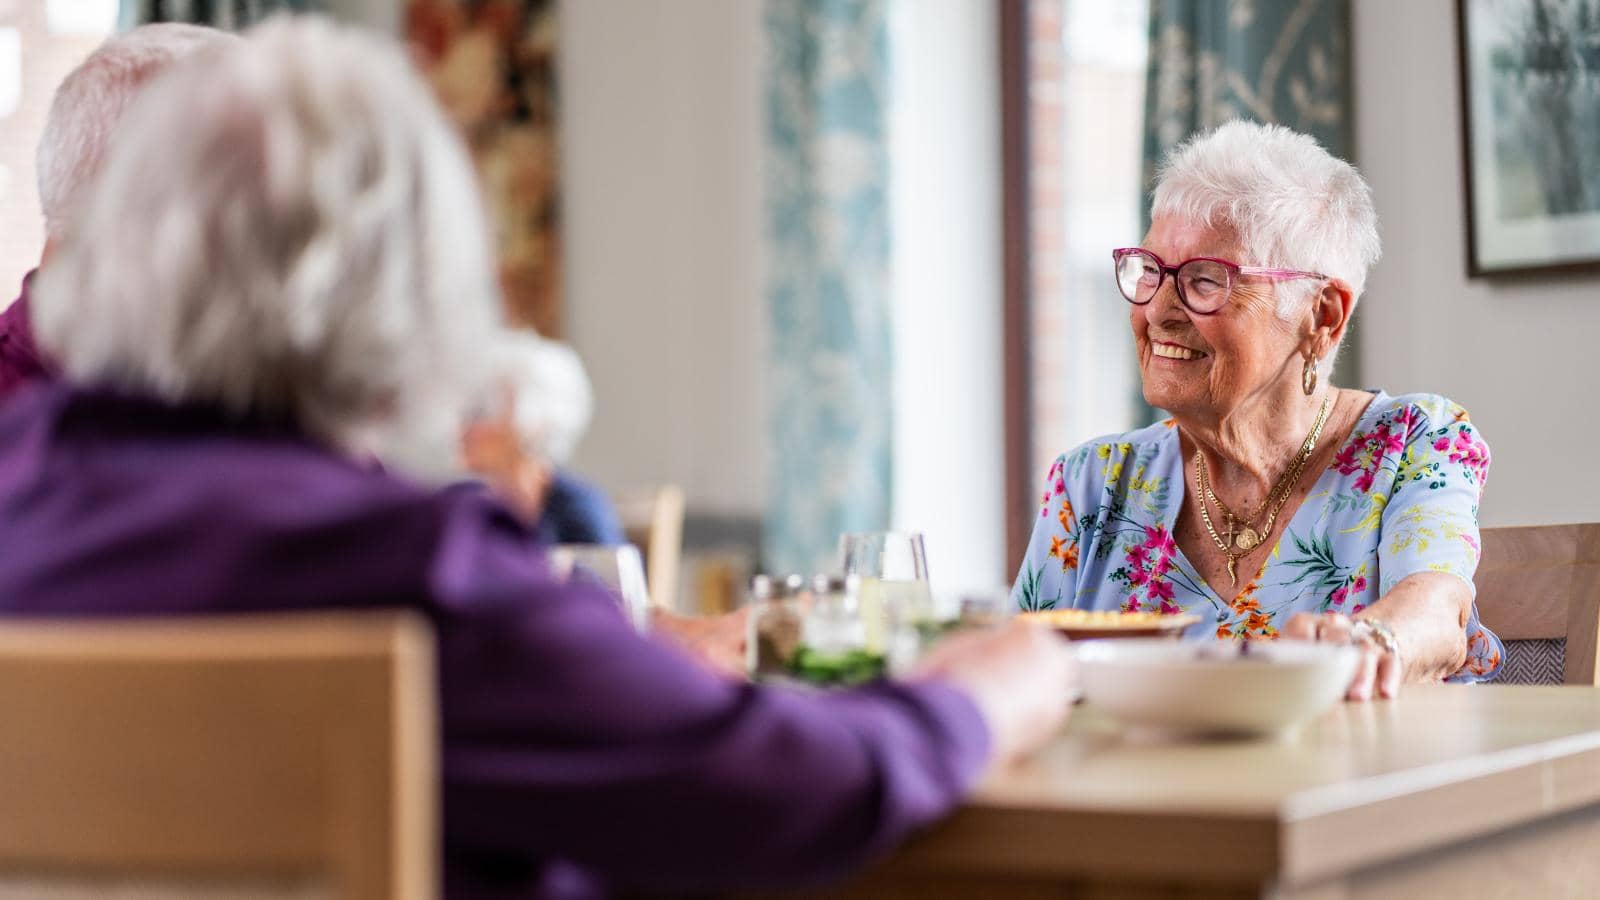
(1222, 687)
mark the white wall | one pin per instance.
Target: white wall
(661, 143)
(662, 139)
(945, 219)
(1519, 355)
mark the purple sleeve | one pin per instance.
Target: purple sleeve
(20, 361)
(570, 737)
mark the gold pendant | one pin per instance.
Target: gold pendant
(1233, 579)
(1247, 539)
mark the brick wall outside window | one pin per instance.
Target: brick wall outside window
(1086, 100)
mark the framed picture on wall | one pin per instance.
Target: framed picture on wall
(493, 65)
(1530, 97)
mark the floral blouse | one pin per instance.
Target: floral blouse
(1400, 497)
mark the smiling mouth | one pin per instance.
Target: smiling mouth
(1173, 351)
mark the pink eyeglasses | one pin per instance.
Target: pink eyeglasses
(1204, 282)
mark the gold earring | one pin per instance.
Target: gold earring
(1308, 376)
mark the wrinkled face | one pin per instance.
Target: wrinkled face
(1206, 366)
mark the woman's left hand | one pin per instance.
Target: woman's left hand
(1378, 674)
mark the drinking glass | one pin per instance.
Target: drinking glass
(836, 648)
(617, 568)
(895, 601)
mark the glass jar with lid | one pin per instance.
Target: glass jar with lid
(774, 625)
(834, 647)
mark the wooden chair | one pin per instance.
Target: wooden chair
(653, 522)
(1542, 584)
(290, 755)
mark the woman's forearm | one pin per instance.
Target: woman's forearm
(1428, 614)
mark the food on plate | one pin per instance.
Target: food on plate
(1077, 623)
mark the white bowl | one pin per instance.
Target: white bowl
(1221, 687)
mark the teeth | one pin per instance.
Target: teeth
(1171, 352)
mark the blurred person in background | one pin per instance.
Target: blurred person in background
(309, 289)
(544, 403)
(83, 116)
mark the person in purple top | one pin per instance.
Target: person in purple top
(20, 362)
(282, 275)
(83, 115)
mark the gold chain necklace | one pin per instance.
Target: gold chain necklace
(1251, 537)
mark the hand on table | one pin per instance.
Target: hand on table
(717, 642)
(1379, 672)
(1020, 676)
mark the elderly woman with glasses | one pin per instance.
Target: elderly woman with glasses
(1272, 504)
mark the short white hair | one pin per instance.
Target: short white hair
(1292, 204)
(92, 99)
(551, 396)
(290, 230)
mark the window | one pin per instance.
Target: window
(40, 42)
(1077, 87)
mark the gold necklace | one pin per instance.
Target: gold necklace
(1252, 537)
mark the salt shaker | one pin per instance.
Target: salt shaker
(775, 624)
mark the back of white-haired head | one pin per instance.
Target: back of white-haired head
(550, 392)
(92, 99)
(1291, 203)
(289, 230)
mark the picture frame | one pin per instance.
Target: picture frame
(1530, 102)
(492, 64)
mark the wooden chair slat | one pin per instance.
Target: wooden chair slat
(297, 746)
(1543, 582)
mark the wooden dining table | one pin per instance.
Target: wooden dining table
(1458, 791)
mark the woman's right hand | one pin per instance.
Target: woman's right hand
(1020, 676)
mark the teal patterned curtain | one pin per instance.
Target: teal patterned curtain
(227, 14)
(1285, 61)
(1278, 61)
(828, 283)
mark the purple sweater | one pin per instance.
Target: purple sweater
(578, 756)
(20, 360)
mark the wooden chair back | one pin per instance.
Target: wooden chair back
(653, 522)
(1543, 582)
(252, 756)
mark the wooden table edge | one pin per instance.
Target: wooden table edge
(1315, 834)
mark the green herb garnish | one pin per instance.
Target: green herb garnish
(849, 668)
